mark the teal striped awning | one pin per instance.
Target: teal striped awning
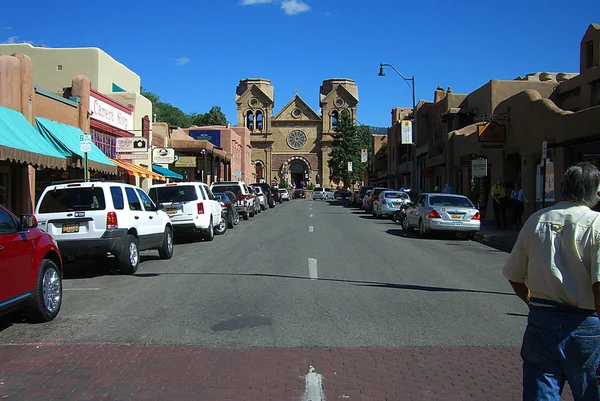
(166, 172)
(21, 142)
(66, 139)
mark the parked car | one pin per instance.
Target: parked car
(443, 212)
(299, 194)
(389, 202)
(268, 193)
(321, 194)
(31, 268)
(191, 206)
(230, 214)
(329, 193)
(363, 203)
(276, 194)
(375, 192)
(257, 208)
(358, 200)
(261, 197)
(285, 195)
(246, 201)
(97, 218)
(342, 194)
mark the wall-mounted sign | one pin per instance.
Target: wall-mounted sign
(212, 136)
(363, 155)
(131, 156)
(186, 161)
(132, 144)
(479, 167)
(109, 114)
(406, 132)
(491, 132)
(163, 156)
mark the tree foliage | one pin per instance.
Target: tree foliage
(166, 112)
(348, 141)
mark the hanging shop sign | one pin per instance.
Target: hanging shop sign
(163, 155)
(186, 161)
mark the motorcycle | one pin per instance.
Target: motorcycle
(399, 216)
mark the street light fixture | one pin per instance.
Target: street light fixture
(415, 177)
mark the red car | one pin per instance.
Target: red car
(30, 268)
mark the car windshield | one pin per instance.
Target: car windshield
(441, 200)
(222, 188)
(72, 199)
(179, 193)
(395, 195)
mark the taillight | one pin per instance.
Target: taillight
(224, 206)
(476, 216)
(434, 215)
(200, 208)
(111, 220)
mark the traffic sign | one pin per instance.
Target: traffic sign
(363, 155)
(85, 143)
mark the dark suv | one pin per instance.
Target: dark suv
(276, 195)
(266, 188)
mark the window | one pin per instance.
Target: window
(132, 199)
(211, 196)
(106, 142)
(73, 199)
(450, 201)
(202, 192)
(589, 54)
(179, 193)
(438, 135)
(59, 67)
(250, 121)
(259, 171)
(148, 205)
(117, 198)
(7, 224)
(335, 116)
(259, 120)
(420, 201)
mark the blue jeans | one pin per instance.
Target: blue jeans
(560, 343)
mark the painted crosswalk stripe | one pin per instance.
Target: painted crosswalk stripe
(312, 269)
(311, 229)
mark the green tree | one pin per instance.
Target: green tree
(347, 143)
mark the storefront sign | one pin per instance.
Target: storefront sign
(479, 167)
(132, 144)
(186, 161)
(131, 156)
(163, 156)
(407, 132)
(109, 114)
(211, 136)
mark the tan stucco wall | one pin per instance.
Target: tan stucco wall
(54, 110)
(97, 65)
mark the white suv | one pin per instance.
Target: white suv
(246, 202)
(191, 206)
(100, 217)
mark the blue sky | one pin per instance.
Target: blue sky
(193, 53)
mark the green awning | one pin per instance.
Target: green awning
(166, 172)
(66, 139)
(21, 142)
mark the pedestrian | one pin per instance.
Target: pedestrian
(518, 200)
(499, 203)
(554, 268)
(448, 189)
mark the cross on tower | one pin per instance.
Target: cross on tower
(296, 92)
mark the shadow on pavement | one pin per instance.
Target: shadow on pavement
(360, 283)
(516, 314)
(86, 268)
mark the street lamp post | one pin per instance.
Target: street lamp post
(415, 177)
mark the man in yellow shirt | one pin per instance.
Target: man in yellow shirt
(554, 268)
(499, 200)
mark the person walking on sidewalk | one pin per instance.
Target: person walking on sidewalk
(499, 202)
(518, 200)
(554, 268)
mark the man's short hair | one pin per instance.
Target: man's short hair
(581, 184)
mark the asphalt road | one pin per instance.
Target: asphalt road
(303, 274)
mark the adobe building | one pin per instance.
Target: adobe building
(293, 145)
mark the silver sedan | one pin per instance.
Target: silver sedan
(443, 212)
(389, 202)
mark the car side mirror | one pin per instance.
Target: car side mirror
(160, 206)
(28, 221)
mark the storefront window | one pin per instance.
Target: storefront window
(106, 142)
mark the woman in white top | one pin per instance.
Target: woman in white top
(518, 200)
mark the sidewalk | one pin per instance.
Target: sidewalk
(490, 235)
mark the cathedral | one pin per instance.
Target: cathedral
(293, 145)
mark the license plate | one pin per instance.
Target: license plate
(70, 228)
(458, 223)
(396, 204)
(457, 216)
(171, 211)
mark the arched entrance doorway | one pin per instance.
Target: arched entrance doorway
(296, 171)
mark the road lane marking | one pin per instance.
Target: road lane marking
(311, 215)
(311, 229)
(314, 386)
(81, 289)
(312, 269)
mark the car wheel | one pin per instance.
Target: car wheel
(129, 259)
(422, 231)
(246, 215)
(404, 223)
(236, 219)
(222, 227)
(46, 299)
(209, 233)
(166, 249)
